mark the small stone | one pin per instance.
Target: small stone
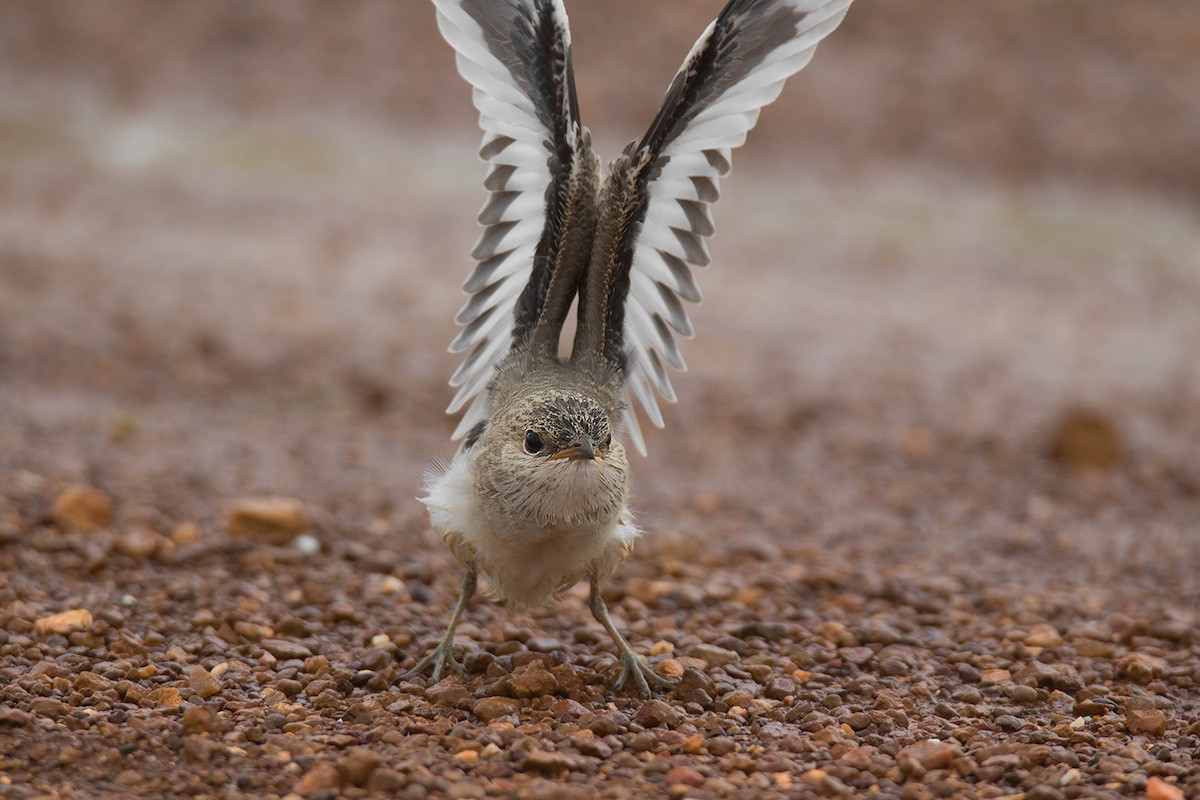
(670, 668)
(82, 509)
(1023, 694)
(543, 644)
(138, 544)
(856, 655)
(714, 656)
(468, 756)
(358, 764)
(487, 709)
(48, 707)
(272, 520)
(780, 687)
(89, 682)
(1085, 439)
(1158, 789)
(589, 744)
(128, 778)
(449, 692)
(76, 619)
(662, 648)
(1043, 635)
(533, 682)
(685, 775)
(607, 724)
(1091, 648)
(1141, 668)
(1150, 722)
(198, 719)
(185, 533)
(721, 746)
(568, 709)
(386, 782)
(920, 757)
(554, 763)
(996, 676)
(323, 775)
(284, 649)
(203, 683)
(656, 713)
(166, 697)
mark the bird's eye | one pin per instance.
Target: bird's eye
(533, 443)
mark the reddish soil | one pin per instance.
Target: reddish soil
(925, 521)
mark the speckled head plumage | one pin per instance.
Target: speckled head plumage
(549, 454)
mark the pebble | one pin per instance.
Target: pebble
(670, 668)
(199, 719)
(75, 619)
(534, 681)
(166, 697)
(1141, 668)
(82, 509)
(386, 782)
(487, 709)
(1043, 635)
(1023, 694)
(656, 713)
(685, 775)
(543, 644)
(714, 656)
(322, 775)
(1150, 722)
(139, 544)
(203, 683)
(358, 765)
(1085, 440)
(552, 762)
(284, 649)
(607, 724)
(270, 520)
(994, 676)
(918, 758)
(1158, 789)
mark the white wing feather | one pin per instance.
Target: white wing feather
(690, 163)
(519, 175)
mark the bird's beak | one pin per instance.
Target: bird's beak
(583, 450)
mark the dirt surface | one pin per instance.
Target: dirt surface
(923, 524)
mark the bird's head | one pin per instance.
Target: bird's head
(552, 457)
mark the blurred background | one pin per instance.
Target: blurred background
(956, 275)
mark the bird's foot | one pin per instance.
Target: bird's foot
(436, 663)
(634, 670)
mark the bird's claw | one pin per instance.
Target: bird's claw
(642, 676)
(441, 658)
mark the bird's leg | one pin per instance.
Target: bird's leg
(632, 667)
(443, 654)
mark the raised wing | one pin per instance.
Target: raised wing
(736, 67)
(517, 57)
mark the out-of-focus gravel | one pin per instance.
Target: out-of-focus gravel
(923, 524)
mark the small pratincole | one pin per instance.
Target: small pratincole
(535, 499)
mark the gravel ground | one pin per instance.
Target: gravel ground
(923, 524)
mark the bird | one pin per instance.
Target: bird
(536, 498)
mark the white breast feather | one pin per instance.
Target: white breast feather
(525, 566)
